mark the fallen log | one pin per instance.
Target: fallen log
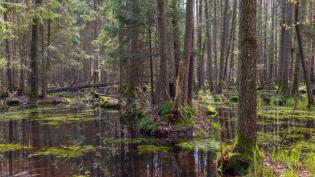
(76, 87)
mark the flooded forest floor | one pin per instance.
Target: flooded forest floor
(84, 134)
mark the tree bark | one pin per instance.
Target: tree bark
(176, 34)
(285, 48)
(8, 57)
(224, 36)
(163, 89)
(46, 62)
(247, 88)
(302, 57)
(34, 59)
(180, 97)
(209, 51)
(201, 61)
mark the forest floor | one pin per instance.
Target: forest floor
(286, 128)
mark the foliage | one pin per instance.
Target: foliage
(166, 108)
(147, 126)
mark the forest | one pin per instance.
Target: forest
(157, 88)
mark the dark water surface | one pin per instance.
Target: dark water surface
(114, 154)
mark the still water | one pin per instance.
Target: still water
(114, 149)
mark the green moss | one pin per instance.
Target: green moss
(216, 125)
(147, 126)
(109, 103)
(153, 148)
(13, 147)
(202, 145)
(118, 141)
(64, 120)
(211, 111)
(285, 113)
(65, 151)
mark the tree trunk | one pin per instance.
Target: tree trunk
(181, 97)
(304, 63)
(163, 89)
(223, 45)
(46, 62)
(230, 47)
(272, 49)
(209, 51)
(191, 73)
(296, 77)
(8, 57)
(215, 32)
(176, 34)
(34, 59)
(201, 61)
(285, 48)
(247, 86)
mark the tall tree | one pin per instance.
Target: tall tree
(163, 89)
(201, 61)
(34, 58)
(247, 111)
(181, 97)
(176, 33)
(224, 38)
(209, 44)
(302, 57)
(285, 47)
(8, 56)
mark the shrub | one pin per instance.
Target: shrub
(166, 108)
(147, 126)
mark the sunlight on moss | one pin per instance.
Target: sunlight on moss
(202, 145)
(118, 141)
(13, 147)
(86, 174)
(65, 151)
(153, 148)
(64, 120)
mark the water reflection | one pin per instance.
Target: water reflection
(119, 160)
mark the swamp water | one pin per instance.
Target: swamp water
(65, 142)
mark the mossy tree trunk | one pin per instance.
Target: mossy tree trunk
(247, 77)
